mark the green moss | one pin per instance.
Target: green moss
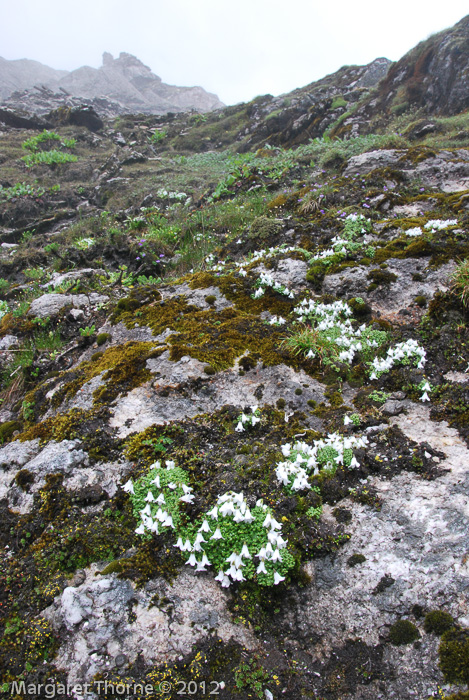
(208, 369)
(24, 478)
(103, 338)
(454, 656)
(264, 228)
(115, 567)
(379, 277)
(298, 391)
(124, 368)
(356, 559)
(403, 632)
(421, 301)
(210, 299)
(281, 403)
(438, 622)
(360, 308)
(7, 429)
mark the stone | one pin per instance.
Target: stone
(50, 305)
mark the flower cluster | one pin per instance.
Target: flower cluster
(277, 321)
(416, 231)
(402, 353)
(266, 280)
(438, 225)
(156, 498)
(232, 537)
(303, 459)
(332, 322)
(355, 226)
(249, 420)
(229, 537)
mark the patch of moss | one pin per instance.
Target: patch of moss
(7, 429)
(24, 478)
(403, 632)
(263, 228)
(454, 655)
(438, 622)
(421, 300)
(356, 559)
(210, 299)
(379, 277)
(208, 369)
(124, 368)
(103, 338)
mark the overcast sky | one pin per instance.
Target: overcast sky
(237, 49)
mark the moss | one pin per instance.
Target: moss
(356, 559)
(316, 274)
(124, 368)
(7, 429)
(115, 567)
(208, 369)
(128, 304)
(361, 310)
(454, 655)
(281, 403)
(379, 277)
(24, 478)
(403, 632)
(438, 622)
(298, 391)
(263, 228)
(210, 299)
(103, 338)
(200, 280)
(421, 300)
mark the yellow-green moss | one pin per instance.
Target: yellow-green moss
(454, 656)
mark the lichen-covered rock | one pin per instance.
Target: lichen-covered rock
(105, 617)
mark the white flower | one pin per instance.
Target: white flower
(424, 397)
(129, 487)
(278, 578)
(217, 535)
(192, 561)
(245, 552)
(140, 530)
(179, 544)
(146, 510)
(161, 498)
(156, 481)
(149, 497)
(213, 513)
(205, 527)
(239, 428)
(261, 568)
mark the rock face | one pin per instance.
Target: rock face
(432, 76)
(125, 81)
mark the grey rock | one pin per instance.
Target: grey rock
(50, 305)
(8, 341)
(94, 624)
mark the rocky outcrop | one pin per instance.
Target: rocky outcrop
(125, 81)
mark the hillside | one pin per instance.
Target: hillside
(234, 401)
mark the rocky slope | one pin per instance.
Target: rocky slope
(234, 414)
(125, 81)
